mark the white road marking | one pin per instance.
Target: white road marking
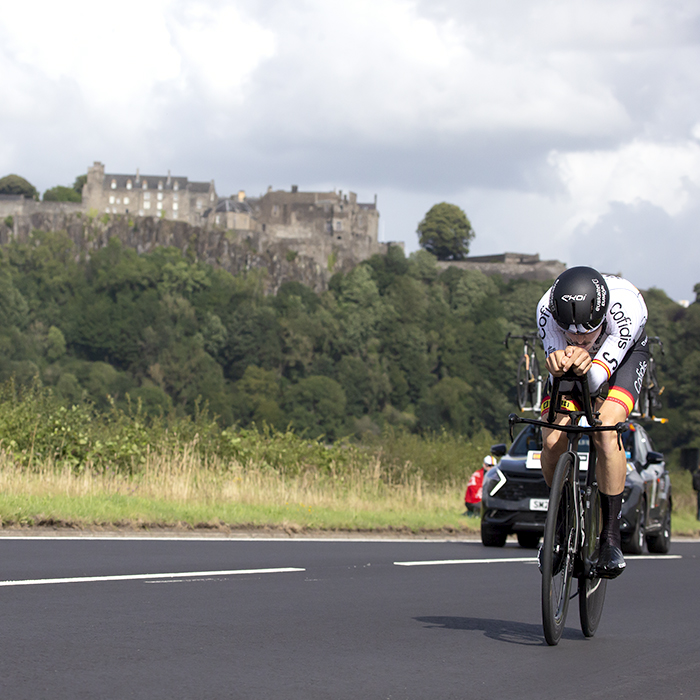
(441, 562)
(506, 560)
(150, 577)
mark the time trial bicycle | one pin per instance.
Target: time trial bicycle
(574, 520)
(528, 378)
(649, 401)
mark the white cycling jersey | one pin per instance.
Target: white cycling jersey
(623, 327)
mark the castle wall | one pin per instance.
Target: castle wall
(510, 266)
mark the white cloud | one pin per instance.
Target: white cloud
(666, 175)
(545, 120)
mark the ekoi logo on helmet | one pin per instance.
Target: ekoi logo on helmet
(574, 297)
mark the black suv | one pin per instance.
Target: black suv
(515, 495)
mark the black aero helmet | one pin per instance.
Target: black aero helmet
(579, 299)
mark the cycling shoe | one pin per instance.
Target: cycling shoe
(611, 563)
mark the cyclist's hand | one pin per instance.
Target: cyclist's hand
(573, 358)
(555, 363)
(578, 360)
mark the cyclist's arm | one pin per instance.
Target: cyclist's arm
(553, 339)
(625, 320)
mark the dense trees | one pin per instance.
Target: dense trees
(14, 184)
(62, 194)
(393, 342)
(446, 232)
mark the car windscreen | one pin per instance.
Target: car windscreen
(529, 439)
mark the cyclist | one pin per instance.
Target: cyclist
(593, 324)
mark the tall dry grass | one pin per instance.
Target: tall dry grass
(184, 485)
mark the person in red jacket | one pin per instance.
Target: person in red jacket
(472, 498)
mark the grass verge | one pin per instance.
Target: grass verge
(182, 489)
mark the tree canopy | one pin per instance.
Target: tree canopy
(446, 232)
(393, 344)
(14, 184)
(62, 194)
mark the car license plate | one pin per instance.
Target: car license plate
(539, 503)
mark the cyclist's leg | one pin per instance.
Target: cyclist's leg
(612, 463)
(610, 473)
(554, 442)
(611, 469)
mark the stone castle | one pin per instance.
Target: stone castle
(304, 236)
(322, 226)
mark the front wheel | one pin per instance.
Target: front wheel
(634, 544)
(492, 537)
(661, 543)
(529, 540)
(591, 589)
(559, 549)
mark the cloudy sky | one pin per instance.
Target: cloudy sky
(565, 128)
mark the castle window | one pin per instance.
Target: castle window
(128, 184)
(111, 199)
(176, 196)
(159, 206)
(175, 206)
(160, 184)
(218, 219)
(114, 184)
(126, 200)
(176, 186)
(199, 203)
(338, 225)
(160, 195)
(140, 212)
(146, 195)
(275, 210)
(211, 197)
(146, 205)
(174, 215)
(145, 185)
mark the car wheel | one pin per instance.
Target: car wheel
(491, 537)
(529, 540)
(635, 543)
(661, 542)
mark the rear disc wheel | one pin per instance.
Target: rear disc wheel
(558, 549)
(591, 589)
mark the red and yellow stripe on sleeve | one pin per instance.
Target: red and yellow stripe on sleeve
(621, 396)
(602, 364)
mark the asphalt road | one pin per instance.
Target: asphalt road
(201, 619)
